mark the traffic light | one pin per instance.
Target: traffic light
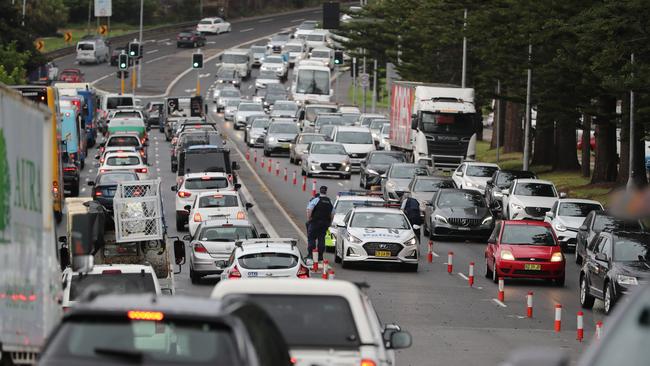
(134, 49)
(123, 61)
(197, 61)
(338, 57)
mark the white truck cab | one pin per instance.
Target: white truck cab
(240, 59)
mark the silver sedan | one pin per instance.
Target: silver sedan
(327, 158)
(299, 148)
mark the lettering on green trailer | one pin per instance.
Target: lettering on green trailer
(28, 185)
(5, 190)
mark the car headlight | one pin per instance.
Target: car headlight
(497, 194)
(557, 257)
(516, 206)
(271, 139)
(345, 163)
(507, 255)
(372, 172)
(626, 280)
(305, 151)
(470, 184)
(486, 220)
(441, 219)
(391, 185)
(352, 239)
(559, 226)
(411, 241)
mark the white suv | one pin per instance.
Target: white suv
(529, 199)
(191, 186)
(358, 142)
(298, 307)
(474, 175)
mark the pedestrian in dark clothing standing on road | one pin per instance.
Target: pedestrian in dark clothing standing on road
(411, 208)
(320, 212)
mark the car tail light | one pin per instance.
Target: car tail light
(174, 141)
(66, 309)
(70, 169)
(103, 170)
(184, 194)
(234, 274)
(97, 194)
(142, 153)
(366, 362)
(111, 271)
(145, 315)
(303, 272)
(101, 149)
(141, 170)
(230, 177)
(178, 38)
(241, 215)
(199, 248)
(197, 217)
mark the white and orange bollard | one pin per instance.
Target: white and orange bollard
(262, 162)
(286, 175)
(326, 264)
(304, 184)
(470, 278)
(314, 258)
(270, 167)
(599, 329)
(248, 154)
(313, 188)
(558, 318)
(330, 274)
(255, 156)
(502, 292)
(450, 262)
(581, 327)
(529, 304)
(277, 168)
(295, 178)
(430, 252)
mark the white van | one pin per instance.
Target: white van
(240, 59)
(316, 39)
(92, 51)
(311, 81)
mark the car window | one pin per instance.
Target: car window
(125, 141)
(631, 250)
(610, 223)
(218, 200)
(86, 47)
(407, 171)
(123, 161)
(495, 233)
(354, 137)
(595, 243)
(206, 183)
(114, 178)
(120, 283)
(480, 171)
(386, 158)
(320, 54)
(460, 199)
(273, 60)
(251, 107)
(283, 128)
(504, 179)
(268, 260)
(605, 247)
(329, 149)
(379, 220)
(575, 209)
(535, 189)
(226, 233)
(527, 235)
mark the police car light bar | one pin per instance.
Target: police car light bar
(354, 192)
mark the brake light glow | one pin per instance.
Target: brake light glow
(234, 274)
(183, 194)
(199, 248)
(103, 170)
(303, 272)
(366, 362)
(218, 196)
(141, 170)
(145, 315)
(70, 169)
(206, 178)
(98, 194)
(241, 215)
(197, 217)
(230, 177)
(111, 271)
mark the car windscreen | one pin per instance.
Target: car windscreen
(460, 199)
(198, 161)
(386, 158)
(268, 74)
(127, 115)
(230, 93)
(279, 106)
(610, 223)
(315, 37)
(229, 58)
(273, 60)
(280, 38)
(527, 235)
(632, 249)
(114, 178)
(298, 315)
(328, 149)
(250, 107)
(207, 138)
(377, 124)
(122, 160)
(354, 137)
(385, 129)
(261, 123)
(343, 207)
(119, 283)
(407, 171)
(432, 185)
(283, 128)
(233, 102)
(379, 220)
(227, 233)
(320, 54)
(535, 189)
(218, 200)
(349, 119)
(447, 123)
(117, 340)
(258, 49)
(292, 48)
(114, 102)
(329, 120)
(123, 141)
(86, 46)
(481, 171)
(504, 179)
(225, 74)
(312, 112)
(313, 82)
(577, 209)
(268, 260)
(306, 139)
(206, 183)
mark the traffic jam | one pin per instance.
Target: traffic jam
(111, 260)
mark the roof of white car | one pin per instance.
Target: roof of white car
(287, 287)
(225, 222)
(350, 109)
(216, 192)
(211, 18)
(206, 174)
(240, 51)
(352, 129)
(295, 42)
(478, 163)
(124, 268)
(527, 180)
(578, 200)
(270, 247)
(121, 154)
(325, 49)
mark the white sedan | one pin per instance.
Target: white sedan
(216, 205)
(566, 216)
(129, 161)
(213, 25)
(193, 184)
(276, 64)
(474, 175)
(529, 199)
(266, 258)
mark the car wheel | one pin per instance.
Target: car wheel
(74, 191)
(178, 45)
(586, 300)
(174, 168)
(266, 153)
(291, 159)
(194, 277)
(337, 257)
(362, 182)
(578, 258)
(609, 300)
(180, 223)
(302, 172)
(488, 273)
(495, 278)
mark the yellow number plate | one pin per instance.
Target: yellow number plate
(533, 267)
(382, 253)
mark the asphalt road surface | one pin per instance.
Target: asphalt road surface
(451, 322)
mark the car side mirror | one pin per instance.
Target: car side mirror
(179, 252)
(188, 208)
(601, 257)
(264, 236)
(583, 228)
(249, 205)
(505, 192)
(90, 183)
(562, 194)
(414, 122)
(489, 182)
(174, 188)
(187, 237)
(416, 227)
(458, 173)
(399, 340)
(550, 214)
(340, 226)
(237, 186)
(166, 291)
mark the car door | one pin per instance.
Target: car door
(491, 249)
(342, 231)
(581, 236)
(505, 200)
(599, 268)
(458, 176)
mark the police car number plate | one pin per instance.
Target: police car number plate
(382, 253)
(252, 274)
(533, 267)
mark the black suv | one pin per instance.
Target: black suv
(502, 179)
(150, 330)
(595, 222)
(616, 264)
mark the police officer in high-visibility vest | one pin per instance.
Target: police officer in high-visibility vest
(320, 212)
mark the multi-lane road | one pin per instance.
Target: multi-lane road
(452, 324)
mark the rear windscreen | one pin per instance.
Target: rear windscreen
(86, 47)
(268, 261)
(122, 283)
(199, 161)
(206, 183)
(122, 161)
(218, 200)
(114, 102)
(123, 141)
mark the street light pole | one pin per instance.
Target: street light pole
(630, 176)
(464, 72)
(141, 43)
(527, 126)
(24, 6)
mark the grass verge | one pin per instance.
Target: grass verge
(382, 99)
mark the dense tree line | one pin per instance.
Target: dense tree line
(580, 63)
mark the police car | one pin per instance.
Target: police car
(374, 234)
(345, 201)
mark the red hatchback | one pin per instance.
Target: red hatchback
(524, 249)
(71, 76)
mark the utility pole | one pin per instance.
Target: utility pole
(630, 173)
(364, 88)
(464, 72)
(374, 86)
(24, 6)
(142, 43)
(528, 92)
(497, 117)
(90, 3)
(354, 80)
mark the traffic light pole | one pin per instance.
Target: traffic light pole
(198, 82)
(336, 82)
(121, 82)
(133, 77)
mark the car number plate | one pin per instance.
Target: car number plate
(252, 274)
(330, 167)
(533, 267)
(463, 228)
(285, 146)
(382, 253)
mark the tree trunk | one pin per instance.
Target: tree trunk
(499, 121)
(566, 156)
(624, 152)
(605, 166)
(639, 173)
(514, 136)
(544, 146)
(586, 146)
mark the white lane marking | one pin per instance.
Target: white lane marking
(90, 170)
(258, 213)
(297, 20)
(157, 59)
(435, 254)
(340, 184)
(152, 51)
(210, 42)
(157, 169)
(164, 40)
(246, 30)
(150, 41)
(496, 301)
(190, 90)
(265, 20)
(463, 276)
(250, 86)
(204, 75)
(157, 155)
(83, 189)
(157, 162)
